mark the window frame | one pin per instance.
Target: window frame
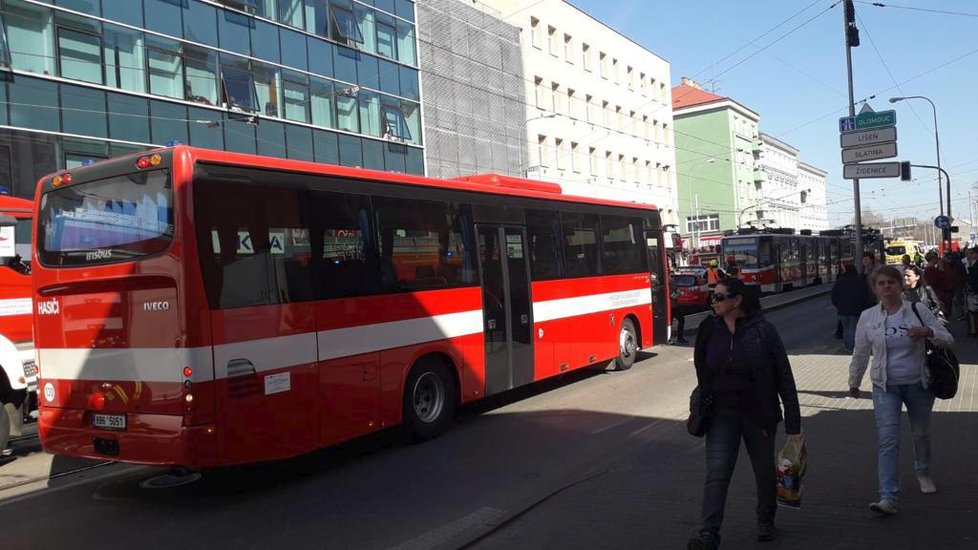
(337, 32)
(250, 82)
(58, 30)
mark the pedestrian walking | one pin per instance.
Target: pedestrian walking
(916, 289)
(971, 290)
(679, 316)
(850, 298)
(892, 334)
(713, 275)
(739, 355)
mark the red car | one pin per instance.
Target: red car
(689, 291)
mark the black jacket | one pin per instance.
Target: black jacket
(771, 372)
(851, 295)
(924, 293)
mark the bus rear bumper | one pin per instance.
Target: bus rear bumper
(149, 439)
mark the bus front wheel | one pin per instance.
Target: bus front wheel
(430, 399)
(627, 346)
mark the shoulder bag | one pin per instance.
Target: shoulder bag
(943, 365)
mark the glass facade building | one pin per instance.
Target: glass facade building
(324, 80)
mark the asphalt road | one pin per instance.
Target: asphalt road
(505, 456)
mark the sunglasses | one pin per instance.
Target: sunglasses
(719, 297)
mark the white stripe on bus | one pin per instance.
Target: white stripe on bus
(584, 305)
(268, 354)
(126, 364)
(343, 342)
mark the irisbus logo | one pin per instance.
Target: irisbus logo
(101, 254)
(48, 307)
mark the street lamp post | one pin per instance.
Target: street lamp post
(694, 241)
(937, 140)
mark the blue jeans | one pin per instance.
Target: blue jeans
(849, 331)
(887, 405)
(722, 447)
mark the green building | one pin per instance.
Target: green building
(718, 172)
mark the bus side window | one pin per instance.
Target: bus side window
(543, 228)
(580, 232)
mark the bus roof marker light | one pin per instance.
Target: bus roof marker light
(57, 181)
(188, 372)
(142, 163)
(156, 159)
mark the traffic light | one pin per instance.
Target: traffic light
(905, 170)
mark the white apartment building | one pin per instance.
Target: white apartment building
(598, 109)
(814, 215)
(794, 192)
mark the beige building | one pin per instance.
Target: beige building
(598, 106)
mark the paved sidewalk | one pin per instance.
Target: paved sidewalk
(651, 498)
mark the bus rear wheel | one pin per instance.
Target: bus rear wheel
(627, 346)
(430, 399)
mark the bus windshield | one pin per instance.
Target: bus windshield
(104, 221)
(896, 250)
(743, 251)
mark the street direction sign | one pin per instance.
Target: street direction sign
(871, 170)
(866, 121)
(942, 222)
(868, 137)
(869, 152)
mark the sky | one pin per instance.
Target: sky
(786, 60)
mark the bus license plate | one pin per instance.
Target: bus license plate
(109, 421)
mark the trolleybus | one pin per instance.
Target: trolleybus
(199, 308)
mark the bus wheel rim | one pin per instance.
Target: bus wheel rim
(429, 397)
(626, 343)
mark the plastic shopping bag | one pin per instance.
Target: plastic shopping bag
(792, 466)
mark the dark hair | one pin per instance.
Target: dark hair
(917, 271)
(869, 255)
(751, 295)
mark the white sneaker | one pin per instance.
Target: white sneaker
(884, 507)
(927, 485)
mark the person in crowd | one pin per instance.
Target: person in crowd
(679, 315)
(868, 263)
(713, 275)
(971, 290)
(934, 276)
(917, 258)
(739, 354)
(850, 298)
(916, 289)
(894, 337)
(904, 263)
(956, 286)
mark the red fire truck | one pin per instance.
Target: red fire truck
(18, 377)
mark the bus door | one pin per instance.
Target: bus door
(507, 307)
(660, 290)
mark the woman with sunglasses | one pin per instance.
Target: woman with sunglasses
(739, 355)
(893, 335)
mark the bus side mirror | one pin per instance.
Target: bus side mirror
(8, 221)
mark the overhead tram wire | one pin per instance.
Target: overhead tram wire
(864, 28)
(915, 8)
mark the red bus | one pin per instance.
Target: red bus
(17, 373)
(199, 308)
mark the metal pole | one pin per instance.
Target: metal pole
(852, 112)
(940, 184)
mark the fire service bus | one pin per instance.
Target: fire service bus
(199, 308)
